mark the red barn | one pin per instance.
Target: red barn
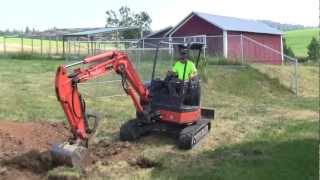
(234, 38)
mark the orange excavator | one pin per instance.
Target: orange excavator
(157, 111)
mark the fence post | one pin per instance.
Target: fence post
(225, 44)
(32, 45)
(88, 47)
(170, 46)
(79, 44)
(296, 77)
(41, 46)
(49, 53)
(205, 45)
(74, 47)
(69, 49)
(241, 44)
(143, 44)
(22, 44)
(4, 45)
(57, 45)
(63, 46)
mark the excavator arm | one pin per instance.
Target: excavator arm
(70, 98)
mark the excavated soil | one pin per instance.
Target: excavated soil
(24, 150)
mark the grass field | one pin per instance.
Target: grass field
(14, 45)
(298, 40)
(53, 46)
(261, 130)
(28, 41)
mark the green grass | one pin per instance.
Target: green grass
(298, 40)
(308, 78)
(26, 85)
(261, 130)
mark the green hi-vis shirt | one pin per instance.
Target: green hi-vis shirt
(178, 68)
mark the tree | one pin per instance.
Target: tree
(314, 49)
(126, 18)
(286, 49)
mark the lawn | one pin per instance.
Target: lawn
(299, 40)
(261, 130)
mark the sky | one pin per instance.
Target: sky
(45, 14)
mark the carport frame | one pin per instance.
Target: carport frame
(90, 34)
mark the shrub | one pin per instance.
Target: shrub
(314, 49)
(286, 49)
(302, 59)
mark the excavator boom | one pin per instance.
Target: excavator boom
(70, 98)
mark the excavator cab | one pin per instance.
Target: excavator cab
(186, 99)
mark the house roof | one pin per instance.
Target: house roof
(232, 24)
(100, 30)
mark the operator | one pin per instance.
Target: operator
(178, 71)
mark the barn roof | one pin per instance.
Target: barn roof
(232, 24)
(156, 33)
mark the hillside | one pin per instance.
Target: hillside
(282, 26)
(298, 40)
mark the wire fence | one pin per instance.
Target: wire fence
(46, 46)
(239, 49)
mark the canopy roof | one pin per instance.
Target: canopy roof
(99, 30)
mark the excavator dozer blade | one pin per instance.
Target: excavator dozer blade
(207, 113)
(69, 155)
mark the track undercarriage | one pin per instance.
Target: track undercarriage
(187, 136)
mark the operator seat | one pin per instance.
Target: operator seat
(188, 100)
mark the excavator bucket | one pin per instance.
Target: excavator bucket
(70, 155)
(73, 154)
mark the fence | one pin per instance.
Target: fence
(142, 57)
(240, 49)
(48, 46)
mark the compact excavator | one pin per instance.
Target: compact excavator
(157, 111)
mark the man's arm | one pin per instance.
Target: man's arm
(193, 71)
(173, 71)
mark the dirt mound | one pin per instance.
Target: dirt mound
(18, 138)
(111, 151)
(144, 162)
(24, 148)
(106, 152)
